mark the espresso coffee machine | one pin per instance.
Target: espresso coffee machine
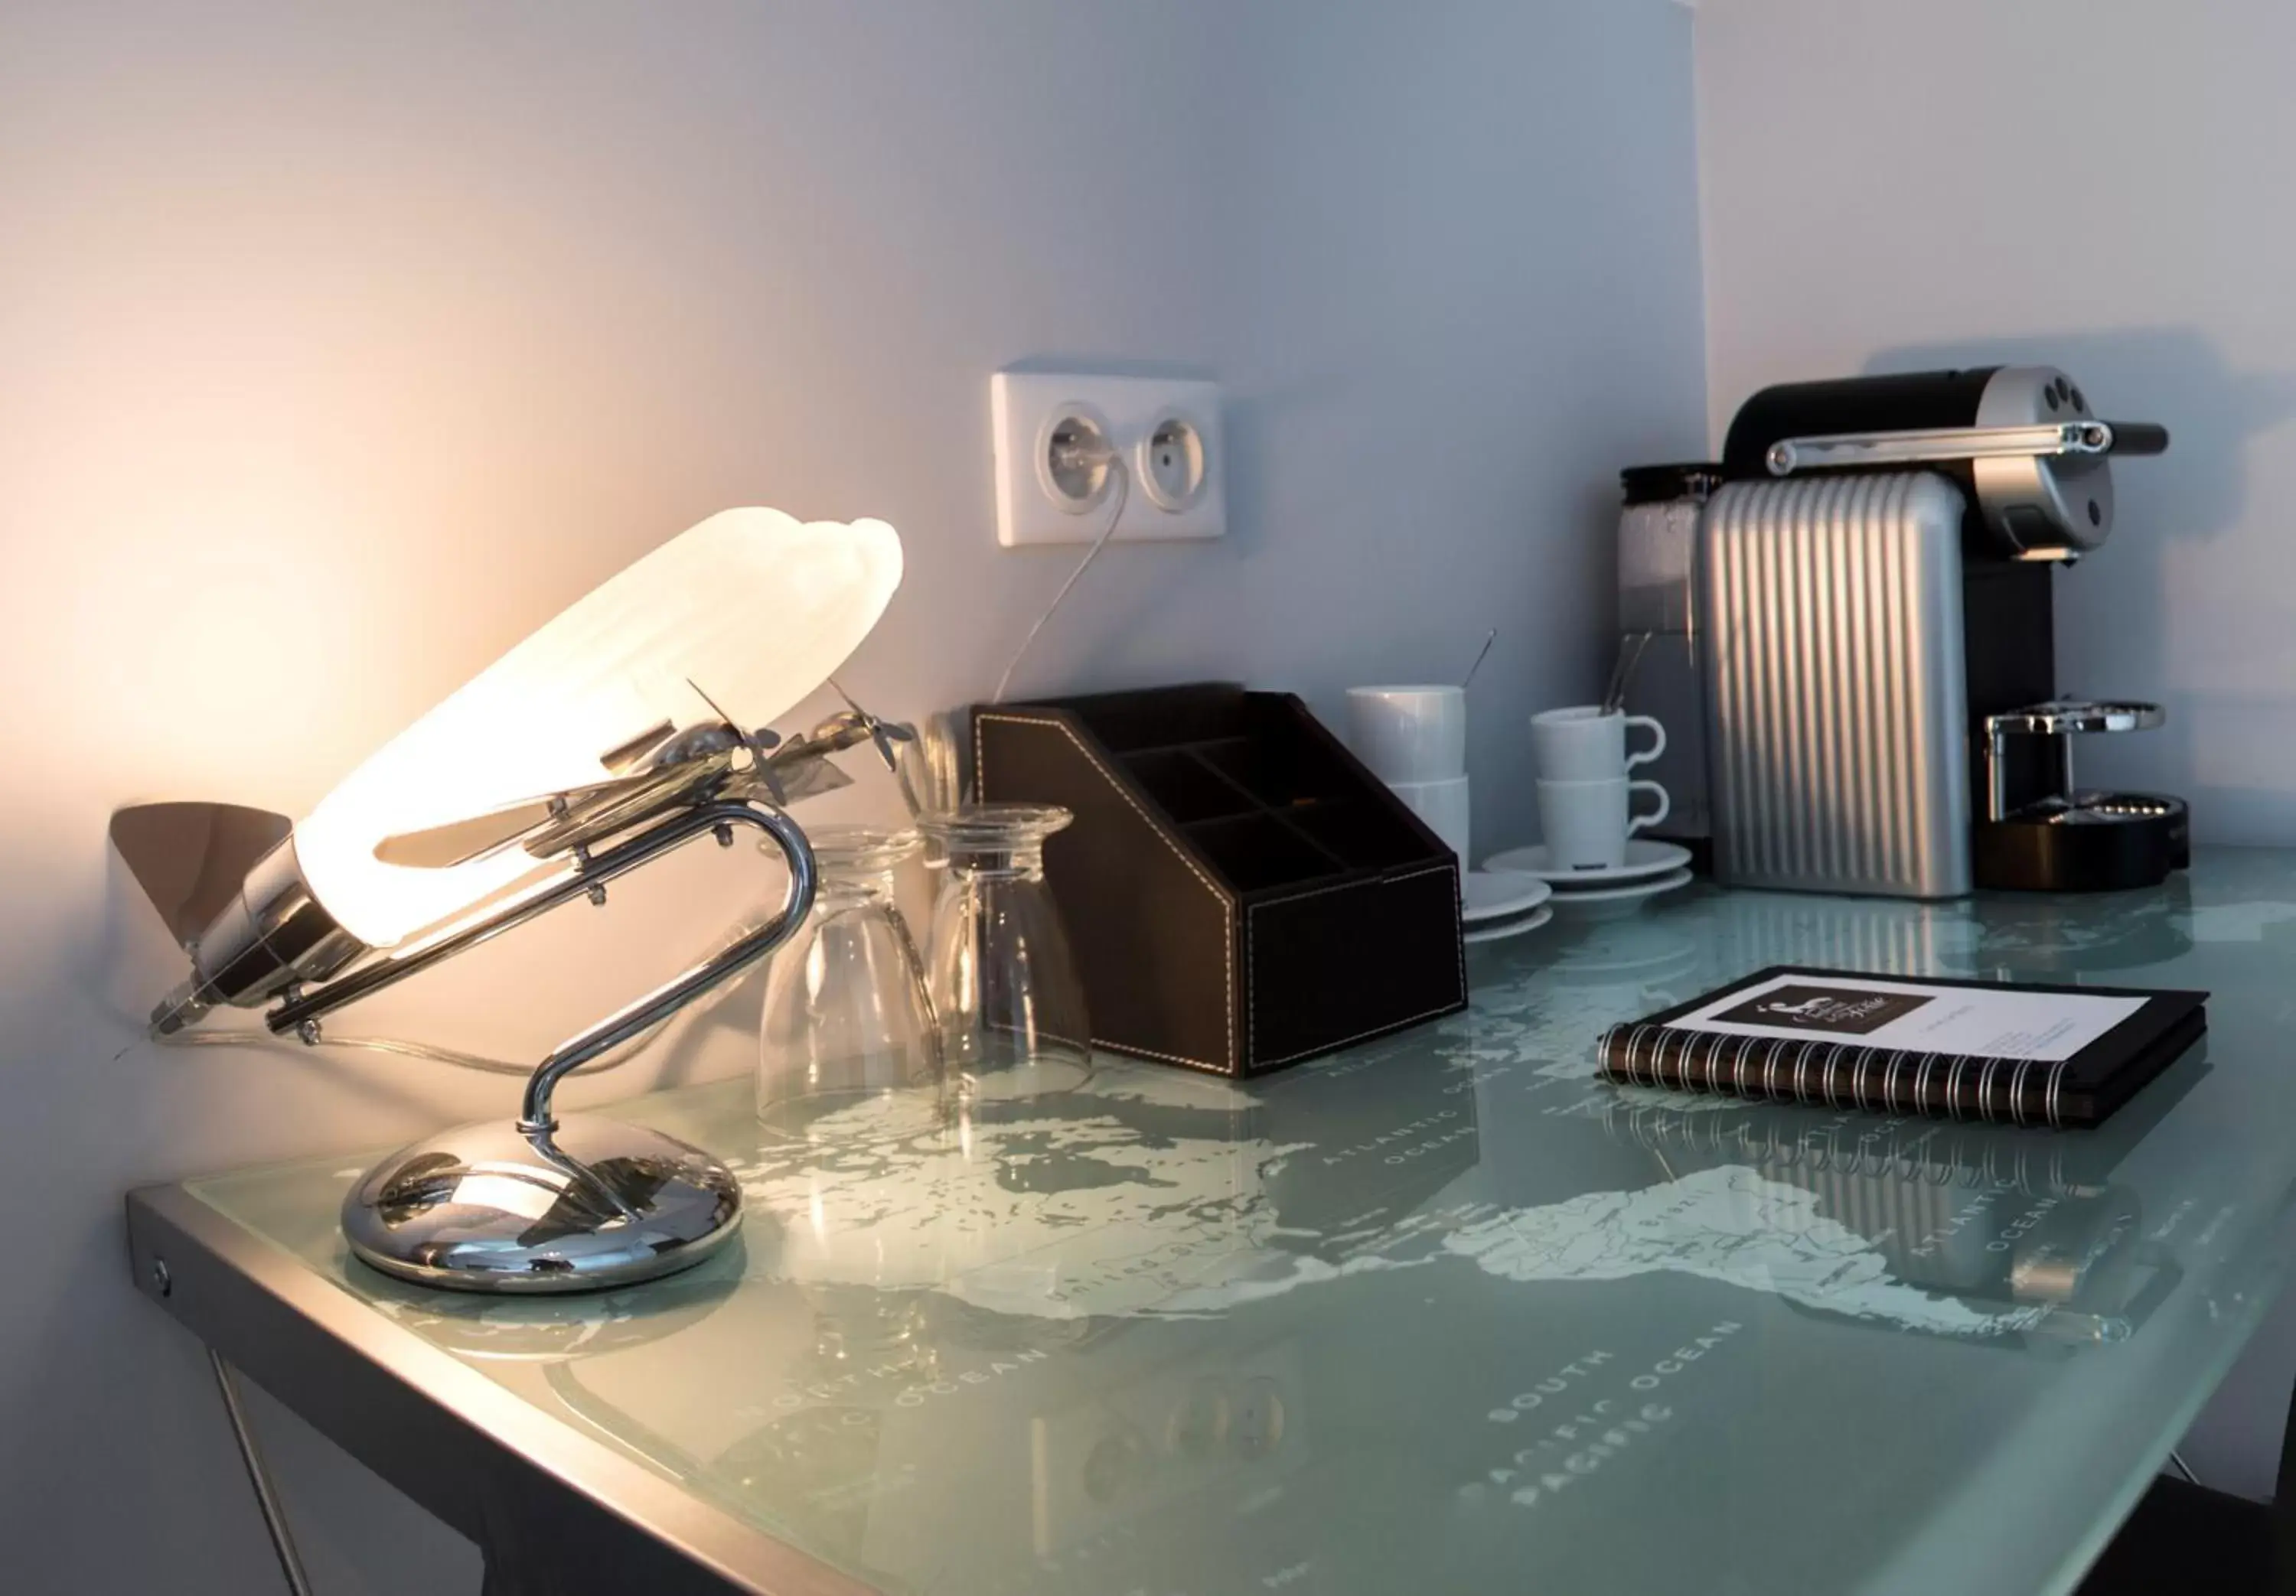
(1857, 602)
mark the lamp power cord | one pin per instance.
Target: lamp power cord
(613, 1058)
(1080, 453)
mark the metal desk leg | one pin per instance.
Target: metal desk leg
(266, 1497)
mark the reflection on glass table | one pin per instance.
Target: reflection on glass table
(1447, 1313)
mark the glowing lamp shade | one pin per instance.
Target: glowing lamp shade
(754, 606)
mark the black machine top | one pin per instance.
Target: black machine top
(2032, 460)
(1895, 403)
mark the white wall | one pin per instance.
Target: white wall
(340, 347)
(2097, 184)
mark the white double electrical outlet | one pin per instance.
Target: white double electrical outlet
(1062, 440)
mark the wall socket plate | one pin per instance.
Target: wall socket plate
(1167, 430)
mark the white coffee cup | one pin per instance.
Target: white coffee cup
(1582, 743)
(1587, 823)
(1443, 805)
(1409, 733)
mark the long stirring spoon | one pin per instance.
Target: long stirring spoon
(1490, 638)
(1630, 654)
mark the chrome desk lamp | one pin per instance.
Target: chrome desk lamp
(439, 842)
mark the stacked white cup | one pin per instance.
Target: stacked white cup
(1414, 739)
(1585, 797)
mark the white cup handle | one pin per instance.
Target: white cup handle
(1665, 804)
(1657, 746)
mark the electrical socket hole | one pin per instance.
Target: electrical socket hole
(1172, 462)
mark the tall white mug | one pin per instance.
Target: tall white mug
(1409, 733)
(1587, 823)
(1582, 743)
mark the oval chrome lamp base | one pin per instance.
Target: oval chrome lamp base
(591, 1203)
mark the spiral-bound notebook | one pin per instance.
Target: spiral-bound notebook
(1967, 1050)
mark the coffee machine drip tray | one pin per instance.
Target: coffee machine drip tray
(2040, 833)
(2088, 842)
(2101, 809)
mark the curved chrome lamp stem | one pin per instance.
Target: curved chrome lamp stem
(534, 1113)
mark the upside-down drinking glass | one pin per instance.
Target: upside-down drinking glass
(1004, 987)
(846, 1013)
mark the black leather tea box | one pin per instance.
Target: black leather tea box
(1240, 893)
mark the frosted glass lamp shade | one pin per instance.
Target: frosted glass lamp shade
(753, 605)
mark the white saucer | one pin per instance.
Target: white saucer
(1645, 857)
(1508, 928)
(1617, 900)
(1497, 894)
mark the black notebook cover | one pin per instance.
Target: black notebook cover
(1816, 1056)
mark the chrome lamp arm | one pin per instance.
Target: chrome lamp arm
(301, 1012)
(663, 1001)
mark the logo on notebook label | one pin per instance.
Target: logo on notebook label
(1845, 1010)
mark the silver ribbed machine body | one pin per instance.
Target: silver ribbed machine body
(1837, 711)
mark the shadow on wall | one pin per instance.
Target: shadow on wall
(2114, 629)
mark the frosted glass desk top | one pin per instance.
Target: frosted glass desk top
(1444, 1314)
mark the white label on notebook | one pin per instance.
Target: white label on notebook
(1985, 1022)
